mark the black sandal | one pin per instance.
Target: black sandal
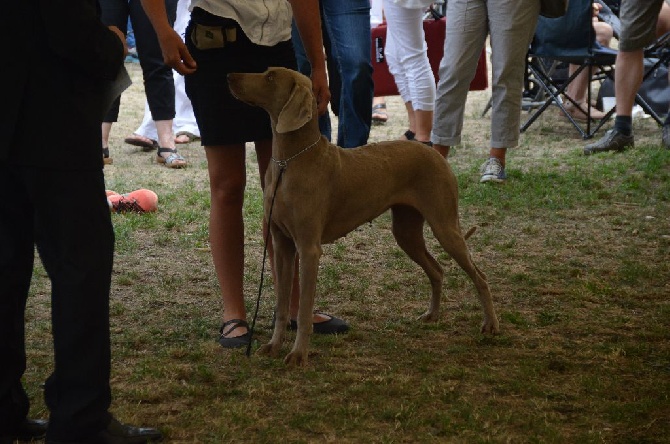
(106, 160)
(237, 341)
(409, 135)
(332, 326)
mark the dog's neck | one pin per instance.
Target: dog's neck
(287, 145)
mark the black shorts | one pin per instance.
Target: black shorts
(222, 119)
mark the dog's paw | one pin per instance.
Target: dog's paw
(296, 359)
(429, 316)
(491, 326)
(269, 349)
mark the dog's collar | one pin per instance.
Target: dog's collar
(284, 163)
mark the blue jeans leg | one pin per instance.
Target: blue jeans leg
(347, 23)
(305, 68)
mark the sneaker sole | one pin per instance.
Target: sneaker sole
(491, 179)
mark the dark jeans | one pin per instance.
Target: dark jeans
(158, 82)
(75, 240)
(347, 25)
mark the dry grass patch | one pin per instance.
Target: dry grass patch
(576, 250)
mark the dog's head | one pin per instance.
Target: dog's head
(285, 94)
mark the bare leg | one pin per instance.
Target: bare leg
(625, 87)
(442, 149)
(227, 175)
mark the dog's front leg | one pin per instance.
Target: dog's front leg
(309, 265)
(284, 260)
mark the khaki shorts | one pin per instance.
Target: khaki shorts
(638, 23)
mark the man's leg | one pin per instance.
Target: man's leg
(75, 240)
(16, 266)
(347, 23)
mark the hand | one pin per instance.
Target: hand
(175, 53)
(122, 37)
(320, 89)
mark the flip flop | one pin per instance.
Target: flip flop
(190, 137)
(144, 142)
(379, 113)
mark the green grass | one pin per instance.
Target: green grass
(577, 253)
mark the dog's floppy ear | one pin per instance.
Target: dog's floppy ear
(297, 111)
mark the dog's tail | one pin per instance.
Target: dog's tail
(470, 232)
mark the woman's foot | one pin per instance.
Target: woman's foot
(170, 158)
(324, 324)
(143, 142)
(234, 334)
(183, 137)
(106, 160)
(379, 114)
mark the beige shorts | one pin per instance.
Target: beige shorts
(638, 23)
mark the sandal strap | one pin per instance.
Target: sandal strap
(379, 106)
(167, 150)
(233, 323)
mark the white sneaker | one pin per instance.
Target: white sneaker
(492, 171)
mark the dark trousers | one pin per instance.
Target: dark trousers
(64, 214)
(158, 81)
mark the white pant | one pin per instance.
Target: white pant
(407, 56)
(184, 120)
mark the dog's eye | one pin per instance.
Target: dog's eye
(270, 77)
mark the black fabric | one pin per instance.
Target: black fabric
(655, 89)
(157, 76)
(56, 82)
(63, 59)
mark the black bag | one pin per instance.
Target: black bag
(654, 90)
(553, 8)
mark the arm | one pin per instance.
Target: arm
(308, 21)
(76, 34)
(174, 50)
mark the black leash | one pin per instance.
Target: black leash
(282, 167)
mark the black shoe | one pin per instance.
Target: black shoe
(666, 136)
(613, 140)
(117, 433)
(28, 430)
(332, 326)
(237, 341)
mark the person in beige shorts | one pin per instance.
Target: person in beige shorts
(639, 22)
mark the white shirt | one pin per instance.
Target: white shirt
(265, 22)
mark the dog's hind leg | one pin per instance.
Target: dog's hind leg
(408, 232)
(284, 269)
(453, 242)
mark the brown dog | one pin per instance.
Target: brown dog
(322, 192)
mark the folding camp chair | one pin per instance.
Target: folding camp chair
(569, 39)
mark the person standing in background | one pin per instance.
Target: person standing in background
(407, 57)
(184, 125)
(158, 83)
(346, 28)
(511, 26)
